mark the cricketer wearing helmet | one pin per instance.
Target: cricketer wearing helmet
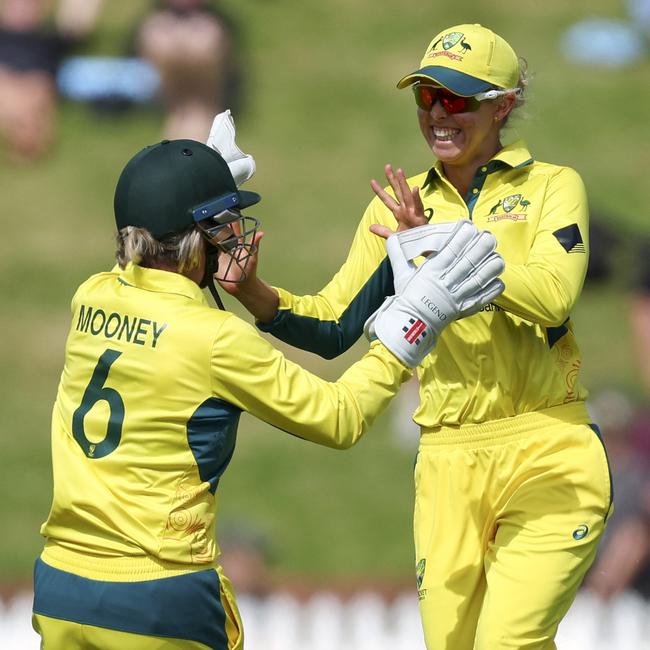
(146, 414)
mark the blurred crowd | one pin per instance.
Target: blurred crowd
(193, 47)
(189, 46)
(624, 557)
(33, 42)
(623, 561)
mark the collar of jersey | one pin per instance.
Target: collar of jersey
(514, 155)
(159, 281)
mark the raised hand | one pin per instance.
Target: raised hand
(406, 205)
(231, 275)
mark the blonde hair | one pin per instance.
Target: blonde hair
(522, 84)
(520, 97)
(183, 251)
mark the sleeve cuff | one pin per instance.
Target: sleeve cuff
(272, 325)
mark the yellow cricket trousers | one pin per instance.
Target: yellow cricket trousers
(508, 515)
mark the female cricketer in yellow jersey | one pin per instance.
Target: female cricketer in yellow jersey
(512, 487)
(146, 414)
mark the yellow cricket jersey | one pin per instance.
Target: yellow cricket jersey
(146, 416)
(517, 355)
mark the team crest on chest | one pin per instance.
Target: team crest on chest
(511, 202)
(512, 207)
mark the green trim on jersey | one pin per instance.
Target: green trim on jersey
(211, 434)
(180, 607)
(331, 338)
(501, 361)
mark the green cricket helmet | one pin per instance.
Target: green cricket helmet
(175, 184)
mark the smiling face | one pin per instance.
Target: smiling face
(465, 139)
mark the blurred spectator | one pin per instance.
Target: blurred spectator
(640, 309)
(609, 42)
(605, 247)
(623, 256)
(245, 556)
(623, 560)
(639, 12)
(193, 46)
(31, 50)
(603, 42)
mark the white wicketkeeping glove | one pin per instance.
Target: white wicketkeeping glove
(222, 139)
(416, 242)
(456, 282)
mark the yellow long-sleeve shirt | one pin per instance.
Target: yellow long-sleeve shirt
(146, 415)
(517, 355)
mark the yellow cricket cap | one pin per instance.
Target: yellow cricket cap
(467, 59)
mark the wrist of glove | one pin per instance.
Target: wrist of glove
(403, 327)
(452, 283)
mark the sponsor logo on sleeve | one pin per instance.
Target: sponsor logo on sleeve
(571, 239)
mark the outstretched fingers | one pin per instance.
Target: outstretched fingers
(389, 201)
(405, 203)
(413, 210)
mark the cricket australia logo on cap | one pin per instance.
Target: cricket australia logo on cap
(415, 331)
(448, 41)
(507, 206)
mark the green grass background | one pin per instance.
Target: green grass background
(322, 117)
